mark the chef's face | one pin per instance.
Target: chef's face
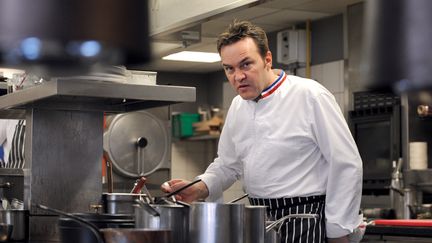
(246, 70)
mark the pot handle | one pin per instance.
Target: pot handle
(148, 208)
(89, 225)
(278, 223)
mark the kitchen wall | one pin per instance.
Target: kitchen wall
(191, 158)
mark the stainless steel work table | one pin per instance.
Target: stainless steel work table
(64, 145)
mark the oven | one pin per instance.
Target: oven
(376, 128)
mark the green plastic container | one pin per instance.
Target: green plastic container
(182, 124)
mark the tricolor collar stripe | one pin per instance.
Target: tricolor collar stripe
(275, 82)
(275, 85)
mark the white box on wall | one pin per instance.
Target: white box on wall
(291, 46)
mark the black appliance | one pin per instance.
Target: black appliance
(376, 126)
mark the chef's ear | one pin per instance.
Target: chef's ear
(268, 60)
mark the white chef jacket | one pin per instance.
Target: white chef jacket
(294, 142)
(7, 130)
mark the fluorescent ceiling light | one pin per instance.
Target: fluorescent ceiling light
(193, 56)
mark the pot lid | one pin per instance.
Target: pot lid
(136, 143)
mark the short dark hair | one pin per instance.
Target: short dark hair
(239, 30)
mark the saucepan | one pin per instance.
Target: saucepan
(111, 235)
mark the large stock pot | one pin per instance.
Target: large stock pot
(216, 223)
(171, 217)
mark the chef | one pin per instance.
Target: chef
(286, 137)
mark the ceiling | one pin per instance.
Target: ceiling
(270, 15)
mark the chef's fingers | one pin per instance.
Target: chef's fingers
(170, 186)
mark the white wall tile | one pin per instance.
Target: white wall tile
(332, 76)
(317, 73)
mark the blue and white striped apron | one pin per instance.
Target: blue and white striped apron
(299, 230)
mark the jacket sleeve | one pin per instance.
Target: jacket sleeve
(226, 168)
(344, 182)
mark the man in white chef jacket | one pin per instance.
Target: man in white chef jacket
(286, 137)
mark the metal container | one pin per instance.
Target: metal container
(171, 217)
(216, 223)
(19, 219)
(254, 224)
(120, 203)
(72, 231)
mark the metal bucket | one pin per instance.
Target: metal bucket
(254, 224)
(171, 217)
(216, 223)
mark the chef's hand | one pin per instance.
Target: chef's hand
(343, 239)
(193, 193)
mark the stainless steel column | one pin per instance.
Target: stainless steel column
(63, 154)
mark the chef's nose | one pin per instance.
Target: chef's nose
(239, 76)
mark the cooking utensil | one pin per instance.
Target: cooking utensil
(254, 224)
(177, 191)
(278, 223)
(216, 223)
(239, 198)
(124, 147)
(151, 210)
(139, 183)
(120, 203)
(273, 228)
(109, 175)
(164, 216)
(88, 225)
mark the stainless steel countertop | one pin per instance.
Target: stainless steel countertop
(93, 95)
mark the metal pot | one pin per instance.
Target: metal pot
(72, 231)
(164, 217)
(216, 223)
(120, 203)
(19, 221)
(107, 235)
(254, 224)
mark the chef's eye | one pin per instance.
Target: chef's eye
(245, 65)
(228, 69)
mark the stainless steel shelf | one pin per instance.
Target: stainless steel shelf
(11, 172)
(93, 95)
